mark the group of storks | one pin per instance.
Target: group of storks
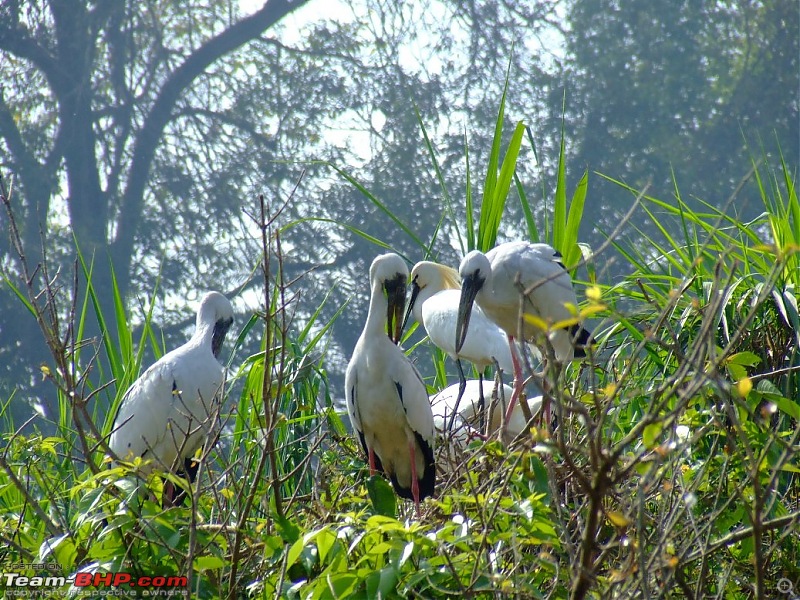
(518, 291)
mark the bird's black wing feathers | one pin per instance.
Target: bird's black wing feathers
(400, 395)
(582, 338)
(378, 463)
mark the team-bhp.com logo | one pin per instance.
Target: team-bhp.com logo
(117, 584)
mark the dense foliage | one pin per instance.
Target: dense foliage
(672, 472)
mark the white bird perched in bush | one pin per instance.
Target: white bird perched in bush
(515, 280)
(386, 398)
(168, 412)
(458, 421)
(435, 295)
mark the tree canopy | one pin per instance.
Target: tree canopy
(693, 89)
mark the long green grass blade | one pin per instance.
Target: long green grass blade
(468, 201)
(125, 339)
(530, 223)
(448, 203)
(572, 252)
(374, 200)
(112, 351)
(560, 200)
(490, 213)
(363, 234)
(503, 184)
(20, 296)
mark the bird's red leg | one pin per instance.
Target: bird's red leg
(414, 480)
(371, 454)
(518, 380)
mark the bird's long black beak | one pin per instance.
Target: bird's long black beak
(414, 293)
(470, 286)
(221, 328)
(396, 296)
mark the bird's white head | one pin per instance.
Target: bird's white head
(427, 279)
(389, 273)
(426, 274)
(215, 313)
(475, 266)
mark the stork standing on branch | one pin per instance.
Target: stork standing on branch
(386, 398)
(519, 284)
(169, 411)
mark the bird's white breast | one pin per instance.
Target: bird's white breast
(169, 409)
(484, 343)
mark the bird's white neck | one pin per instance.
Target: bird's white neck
(487, 289)
(203, 334)
(376, 317)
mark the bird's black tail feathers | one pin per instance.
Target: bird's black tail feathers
(427, 483)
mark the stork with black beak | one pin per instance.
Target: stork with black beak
(515, 280)
(435, 296)
(386, 398)
(458, 420)
(169, 411)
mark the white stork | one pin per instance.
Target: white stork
(465, 413)
(435, 295)
(167, 413)
(386, 398)
(496, 281)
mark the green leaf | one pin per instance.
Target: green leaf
(372, 198)
(61, 548)
(297, 548)
(560, 203)
(325, 540)
(503, 185)
(498, 178)
(494, 154)
(208, 563)
(571, 251)
(468, 201)
(788, 407)
(384, 502)
(737, 371)
(342, 585)
(382, 583)
(448, 204)
(20, 296)
(746, 359)
(530, 224)
(650, 435)
(287, 528)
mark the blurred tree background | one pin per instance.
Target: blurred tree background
(148, 129)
